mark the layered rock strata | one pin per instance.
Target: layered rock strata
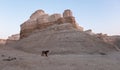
(40, 20)
(13, 38)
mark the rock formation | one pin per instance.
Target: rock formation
(61, 35)
(13, 38)
(40, 20)
(89, 32)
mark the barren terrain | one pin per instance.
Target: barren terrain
(29, 61)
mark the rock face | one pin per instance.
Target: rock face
(13, 38)
(112, 40)
(40, 20)
(89, 32)
(67, 13)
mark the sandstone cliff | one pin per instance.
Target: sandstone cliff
(39, 20)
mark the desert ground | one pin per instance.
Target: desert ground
(30, 61)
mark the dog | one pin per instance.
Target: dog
(45, 53)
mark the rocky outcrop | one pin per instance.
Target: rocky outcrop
(89, 32)
(10, 39)
(40, 20)
(112, 40)
(13, 38)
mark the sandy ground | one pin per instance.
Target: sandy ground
(28, 61)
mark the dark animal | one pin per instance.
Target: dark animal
(45, 53)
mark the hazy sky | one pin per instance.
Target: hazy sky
(98, 15)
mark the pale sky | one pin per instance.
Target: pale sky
(98, 15)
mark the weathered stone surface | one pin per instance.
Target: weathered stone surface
(60, 21)
(89, 32)
(13, 38)
(29, 24)
(54, 17)
(27, 27)
(37, 14)
(67, 13)
(40, 20)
